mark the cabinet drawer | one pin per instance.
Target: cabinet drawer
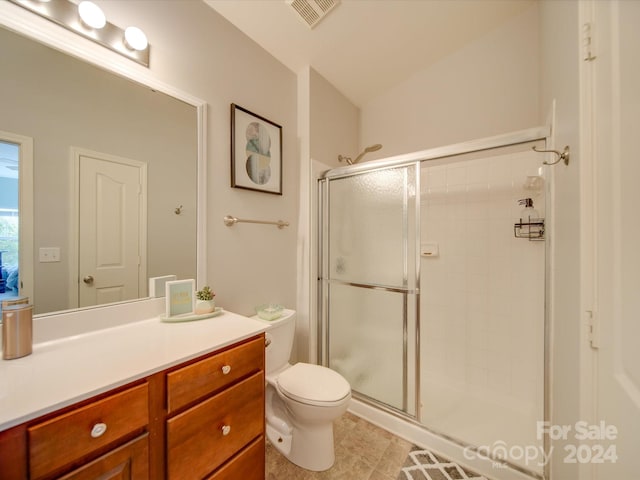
(195, 381)
(68, 437)
(198, 441)
(247, 465)
(128, 462)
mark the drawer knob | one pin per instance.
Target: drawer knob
(98, 430)
(226, 369)
(226, 430)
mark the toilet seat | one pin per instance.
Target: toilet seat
(313, 385)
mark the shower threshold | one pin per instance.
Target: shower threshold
(411, 430)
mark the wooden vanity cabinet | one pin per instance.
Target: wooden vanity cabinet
(93, 434)
(220, 417)
(188, 384)
(203, 419)
(67, 438)
(248, 464)
(127, 462)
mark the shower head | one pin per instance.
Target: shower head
(369, 149)
(342, 158)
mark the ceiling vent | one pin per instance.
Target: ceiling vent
(312, 11)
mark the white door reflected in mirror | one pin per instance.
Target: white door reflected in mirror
(111, 225)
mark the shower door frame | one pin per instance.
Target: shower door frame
(405, 290)
(520, 137)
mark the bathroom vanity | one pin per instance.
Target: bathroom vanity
(140, 400)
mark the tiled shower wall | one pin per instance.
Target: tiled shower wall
(482, 296)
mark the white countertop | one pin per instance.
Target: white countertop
(63, 371)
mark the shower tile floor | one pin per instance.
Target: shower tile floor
(367, 452)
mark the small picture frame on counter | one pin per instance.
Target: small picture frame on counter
(157, 285)
(180, 297)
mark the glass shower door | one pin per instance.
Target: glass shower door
(369, 275)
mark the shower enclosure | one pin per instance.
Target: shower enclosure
(429, 304)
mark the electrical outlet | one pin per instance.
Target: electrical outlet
(49, 254)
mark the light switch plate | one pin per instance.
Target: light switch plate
(49, 254)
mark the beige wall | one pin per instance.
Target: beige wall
(194, 49)
(487, 88)
(335, 123)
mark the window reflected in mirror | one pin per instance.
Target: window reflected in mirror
(9, 221)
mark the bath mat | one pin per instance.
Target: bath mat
(424, 465)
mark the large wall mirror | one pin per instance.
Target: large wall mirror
(116, 191)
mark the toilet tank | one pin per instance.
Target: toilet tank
(280, 333)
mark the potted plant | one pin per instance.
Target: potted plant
(205, 303)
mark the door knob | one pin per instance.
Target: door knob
(88, 279)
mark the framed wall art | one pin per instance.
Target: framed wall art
(256, 152)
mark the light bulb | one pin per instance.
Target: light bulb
(91, 14)
(135, 38)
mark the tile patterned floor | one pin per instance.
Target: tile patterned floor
(367, 452)
(363, 452)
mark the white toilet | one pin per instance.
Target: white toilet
(302, 400)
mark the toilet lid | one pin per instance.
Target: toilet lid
(313, 384)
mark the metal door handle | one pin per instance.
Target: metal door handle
(88, 279)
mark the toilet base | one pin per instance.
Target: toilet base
(280, 441)
(311, 449)
(302, 431)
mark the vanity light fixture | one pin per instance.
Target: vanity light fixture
(88, 19)
(91, 15)
(135, 39)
